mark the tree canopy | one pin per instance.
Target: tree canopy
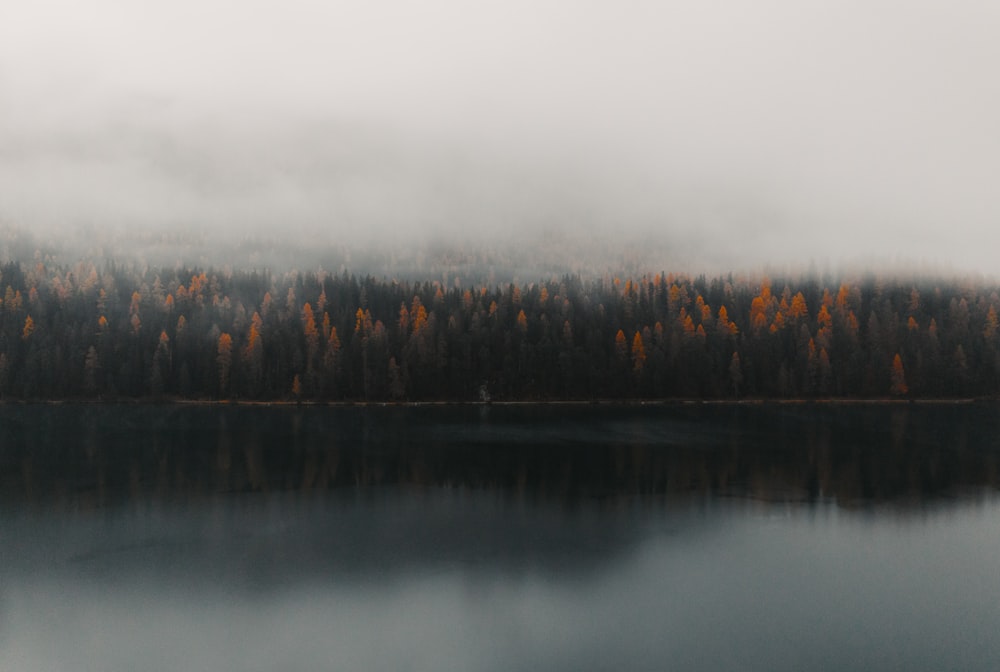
(119, 331)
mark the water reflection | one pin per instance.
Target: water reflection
(453, 581)
(703, 538)
(69, 457)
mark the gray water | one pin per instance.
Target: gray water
(599, 538)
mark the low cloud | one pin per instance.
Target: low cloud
(731, 135)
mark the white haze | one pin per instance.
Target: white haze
(731, 133)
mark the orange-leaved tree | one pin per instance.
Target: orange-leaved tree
(621, 346)
(522, 321)
(311, 334)
(224, 358)
(898, 387)
(638, 353)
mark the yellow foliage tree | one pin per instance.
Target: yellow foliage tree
(842, 296)
(898, 387)
(253, 348)
(321, 301)
(758, 315)
(726, 328)
(990, 330)
(224, 358)
(638, 353)
(404, 319)
(824, 319)
(799, 309)
(851, 326)
(687, 325)
(311, 334)
(326, 326)
(418, 315)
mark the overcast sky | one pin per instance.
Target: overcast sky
(771, 130)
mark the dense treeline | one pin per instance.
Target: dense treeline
(116, 331)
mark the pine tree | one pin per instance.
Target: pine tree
(735, 373)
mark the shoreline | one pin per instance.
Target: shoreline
(833, 401)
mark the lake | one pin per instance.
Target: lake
(578, 537)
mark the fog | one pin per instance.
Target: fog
(714, 134)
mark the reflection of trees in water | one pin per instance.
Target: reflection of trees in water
(90, 456)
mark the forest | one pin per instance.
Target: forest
(118, 331)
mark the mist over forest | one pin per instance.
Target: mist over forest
(529, 200)
(577, 136)
(451, 261)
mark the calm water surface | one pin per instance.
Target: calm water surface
(500, 538)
